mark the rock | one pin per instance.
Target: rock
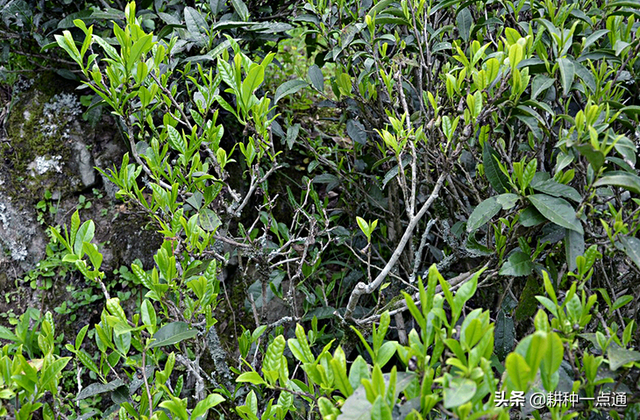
(49, 147)
(20, 237)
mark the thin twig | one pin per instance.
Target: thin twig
(362, 288)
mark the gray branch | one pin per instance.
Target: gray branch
(362, 288)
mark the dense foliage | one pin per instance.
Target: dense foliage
(345, 159)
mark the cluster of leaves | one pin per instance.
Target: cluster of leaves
(483, 134)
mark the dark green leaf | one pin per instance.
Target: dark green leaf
(556, 210)
(573, 247)
(557, 189)
(464, 21)
(288, 88)
(539, 84)
(172, 333)
(567, 74)
(634, 4)
(631, 248)
(507, 200)
(619, 357)
(625, 180)
(483, 213)
(356, 131)
(627, 149)
(98, 388)
(241, 9)
(496, 178)
(504, 335)
(531, 217)
(175, 140)
(393, 172)
(316, 77)
(518, 264)
(595, 157)
(356, 407)
(196, 24)
(586, 76)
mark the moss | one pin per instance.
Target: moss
(35, 128)
(528, 304)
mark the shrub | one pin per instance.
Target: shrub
(491, 142)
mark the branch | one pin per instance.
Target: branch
(254, 184)
(401, 305)
(362, 288)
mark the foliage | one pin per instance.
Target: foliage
(493, 142)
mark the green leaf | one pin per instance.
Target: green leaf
(273, 359)
(567, 74)
(380, 410)
(148, 314)
(536, 350)
(458, 393)
(518, 264)
(94, 255)
(551, 361)
(631, 248)
(209, 220)
(467, 290)
(621, 301)
(251, 377)
(338, 365)
(86, 360)
(241, 9)
(141, 46)
(75, 224)
(556, 210)
(496, 178)
(288, 88)
(172, 333)
(359, 370)
(52, 373)
(473, 333)
(176, 141)
(255, 77)
(625, 180)
(385, 353)
(619, 356)
(203, 406)
(483, 213)
(80, 337)
(316, 77)
(364, 226)
(84, 234)
(518, 371)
